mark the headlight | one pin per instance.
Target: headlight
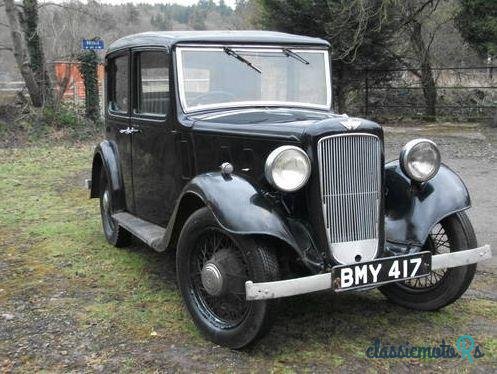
(420, 159)
(288, 168)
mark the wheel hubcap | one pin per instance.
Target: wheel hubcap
(212, 279)
(218, 275)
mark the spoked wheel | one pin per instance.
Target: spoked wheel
(218, 272)
(212, 268)
(442, 286)
(114, 234)
(437, 243)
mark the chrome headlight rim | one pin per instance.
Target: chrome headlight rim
(406, 153)
(274, 156)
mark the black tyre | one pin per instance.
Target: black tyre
(442, 286)
(115, 234)
(212, 268)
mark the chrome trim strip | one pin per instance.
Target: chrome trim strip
(304, 46)
(320, 282)
(241, 104)
(350, 193)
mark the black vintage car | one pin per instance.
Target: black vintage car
(223, 147)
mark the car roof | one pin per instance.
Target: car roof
(171, 38)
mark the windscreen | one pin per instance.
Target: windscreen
(231, 77)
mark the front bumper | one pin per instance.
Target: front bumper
(319, 282)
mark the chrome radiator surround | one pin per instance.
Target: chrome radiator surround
(350, 185)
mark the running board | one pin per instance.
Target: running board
(148, 232)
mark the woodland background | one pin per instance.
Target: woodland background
(422, 59)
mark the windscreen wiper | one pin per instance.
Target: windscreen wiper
(232, 53)
(292, 54)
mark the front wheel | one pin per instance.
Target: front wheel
(442, 286)
(212, 268)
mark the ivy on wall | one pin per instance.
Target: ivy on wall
(88, 67)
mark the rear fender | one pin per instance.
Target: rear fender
(106, 156)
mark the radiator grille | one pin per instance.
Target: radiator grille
(350, 178)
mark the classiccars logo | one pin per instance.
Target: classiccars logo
(465, 348)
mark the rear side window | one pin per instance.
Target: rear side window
(119, 84)
(153, 83)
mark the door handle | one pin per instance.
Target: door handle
(129, 130)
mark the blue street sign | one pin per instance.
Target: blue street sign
(92, 44)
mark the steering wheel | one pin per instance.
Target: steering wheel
(214, 96)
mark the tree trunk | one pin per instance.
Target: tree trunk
(21, 55)
(62, 84)
(35, 49)
(426, 75)
(429, 90)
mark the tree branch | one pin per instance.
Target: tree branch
(435, 31)
(418, 11)
(75, 8)
(401, 60)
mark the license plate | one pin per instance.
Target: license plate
(381, 271)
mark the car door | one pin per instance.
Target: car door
(154, 158)
(118, 116)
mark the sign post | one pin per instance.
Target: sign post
(92, 44)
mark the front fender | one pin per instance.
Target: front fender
(242, 209)
(106, 156)
(239, 207)
(412, 210)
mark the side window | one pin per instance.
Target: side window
(153, 83)
(118, 84)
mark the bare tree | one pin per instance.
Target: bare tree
(21, 55)
(425, 74)
(419, 23)
(29, 21)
